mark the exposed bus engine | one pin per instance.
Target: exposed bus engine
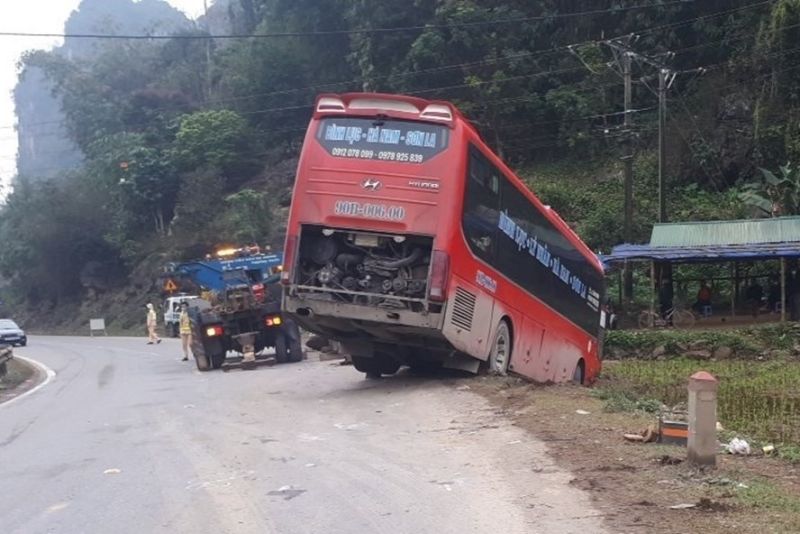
(389, 271)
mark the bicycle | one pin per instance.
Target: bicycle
(675, 317)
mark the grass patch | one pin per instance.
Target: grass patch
(746, 343)
(765, 495)
(620, 401)
(18, 373)
(758, 399)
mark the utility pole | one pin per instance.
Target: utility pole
(628, 161)
(663, 74)
(208, 52)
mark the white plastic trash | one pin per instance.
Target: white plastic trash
(738, 446)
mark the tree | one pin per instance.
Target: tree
(249, 217)
(774, 196)
(218, 139)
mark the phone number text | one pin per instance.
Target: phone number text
(383, 155)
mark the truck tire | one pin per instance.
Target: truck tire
(217, 360)
(295, 351)
(201, 360)
(295, 343)
(281, 350)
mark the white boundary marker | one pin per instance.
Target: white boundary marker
(49, 376)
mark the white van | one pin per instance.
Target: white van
(172, 313)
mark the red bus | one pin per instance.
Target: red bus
(411, 243)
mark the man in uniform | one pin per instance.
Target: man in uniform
(152, 321)
(185, 328)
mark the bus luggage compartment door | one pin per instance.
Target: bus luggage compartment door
(468, 320)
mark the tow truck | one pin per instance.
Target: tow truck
(238, 309)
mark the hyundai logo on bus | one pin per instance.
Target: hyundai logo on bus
(371, 184)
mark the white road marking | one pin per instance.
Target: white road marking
(49, 376)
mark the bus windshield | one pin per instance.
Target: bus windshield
(383, 140)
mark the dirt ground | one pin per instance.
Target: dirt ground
(636, 484)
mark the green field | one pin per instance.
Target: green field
(757, 399)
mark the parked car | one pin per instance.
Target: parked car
(12, 334)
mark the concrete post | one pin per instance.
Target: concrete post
(702, 446)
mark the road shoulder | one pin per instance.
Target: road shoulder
(635, 485)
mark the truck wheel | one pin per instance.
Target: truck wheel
(281, 354)
(295, 343)
(295, 351)
(217, 360)
(202, 362)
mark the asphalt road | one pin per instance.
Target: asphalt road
(126, 438)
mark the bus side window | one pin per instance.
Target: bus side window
(481, 206)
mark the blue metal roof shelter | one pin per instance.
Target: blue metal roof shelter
(715, 242)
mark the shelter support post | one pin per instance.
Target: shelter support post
(652, 287)
(734, 289)
(783, 290)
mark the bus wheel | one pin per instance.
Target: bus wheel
(501, 350)
(578, 375)
(376, 366)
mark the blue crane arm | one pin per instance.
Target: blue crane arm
(210, 274)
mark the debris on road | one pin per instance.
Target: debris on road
(738, 446)
(684, 506)
(582, 412)
(646, 436)
(287, 492)
(112, 471)
(666, 459)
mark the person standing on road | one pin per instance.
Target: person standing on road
(151, 325)
(185, 330)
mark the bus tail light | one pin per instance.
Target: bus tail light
(440, 271)
(288, 259)
(214, 331)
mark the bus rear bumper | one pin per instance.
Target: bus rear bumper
(322, 313)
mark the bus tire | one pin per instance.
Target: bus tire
(579, 374)
(500, 356)
(376, 366)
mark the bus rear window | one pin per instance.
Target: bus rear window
(383, 140)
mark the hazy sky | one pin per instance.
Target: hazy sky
(36, 16)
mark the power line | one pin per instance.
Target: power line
(319, 33)
(462, 65)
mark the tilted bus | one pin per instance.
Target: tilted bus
(411, 243)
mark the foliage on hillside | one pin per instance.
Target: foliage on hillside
(173, 130)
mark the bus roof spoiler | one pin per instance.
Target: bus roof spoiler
(407, 105)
